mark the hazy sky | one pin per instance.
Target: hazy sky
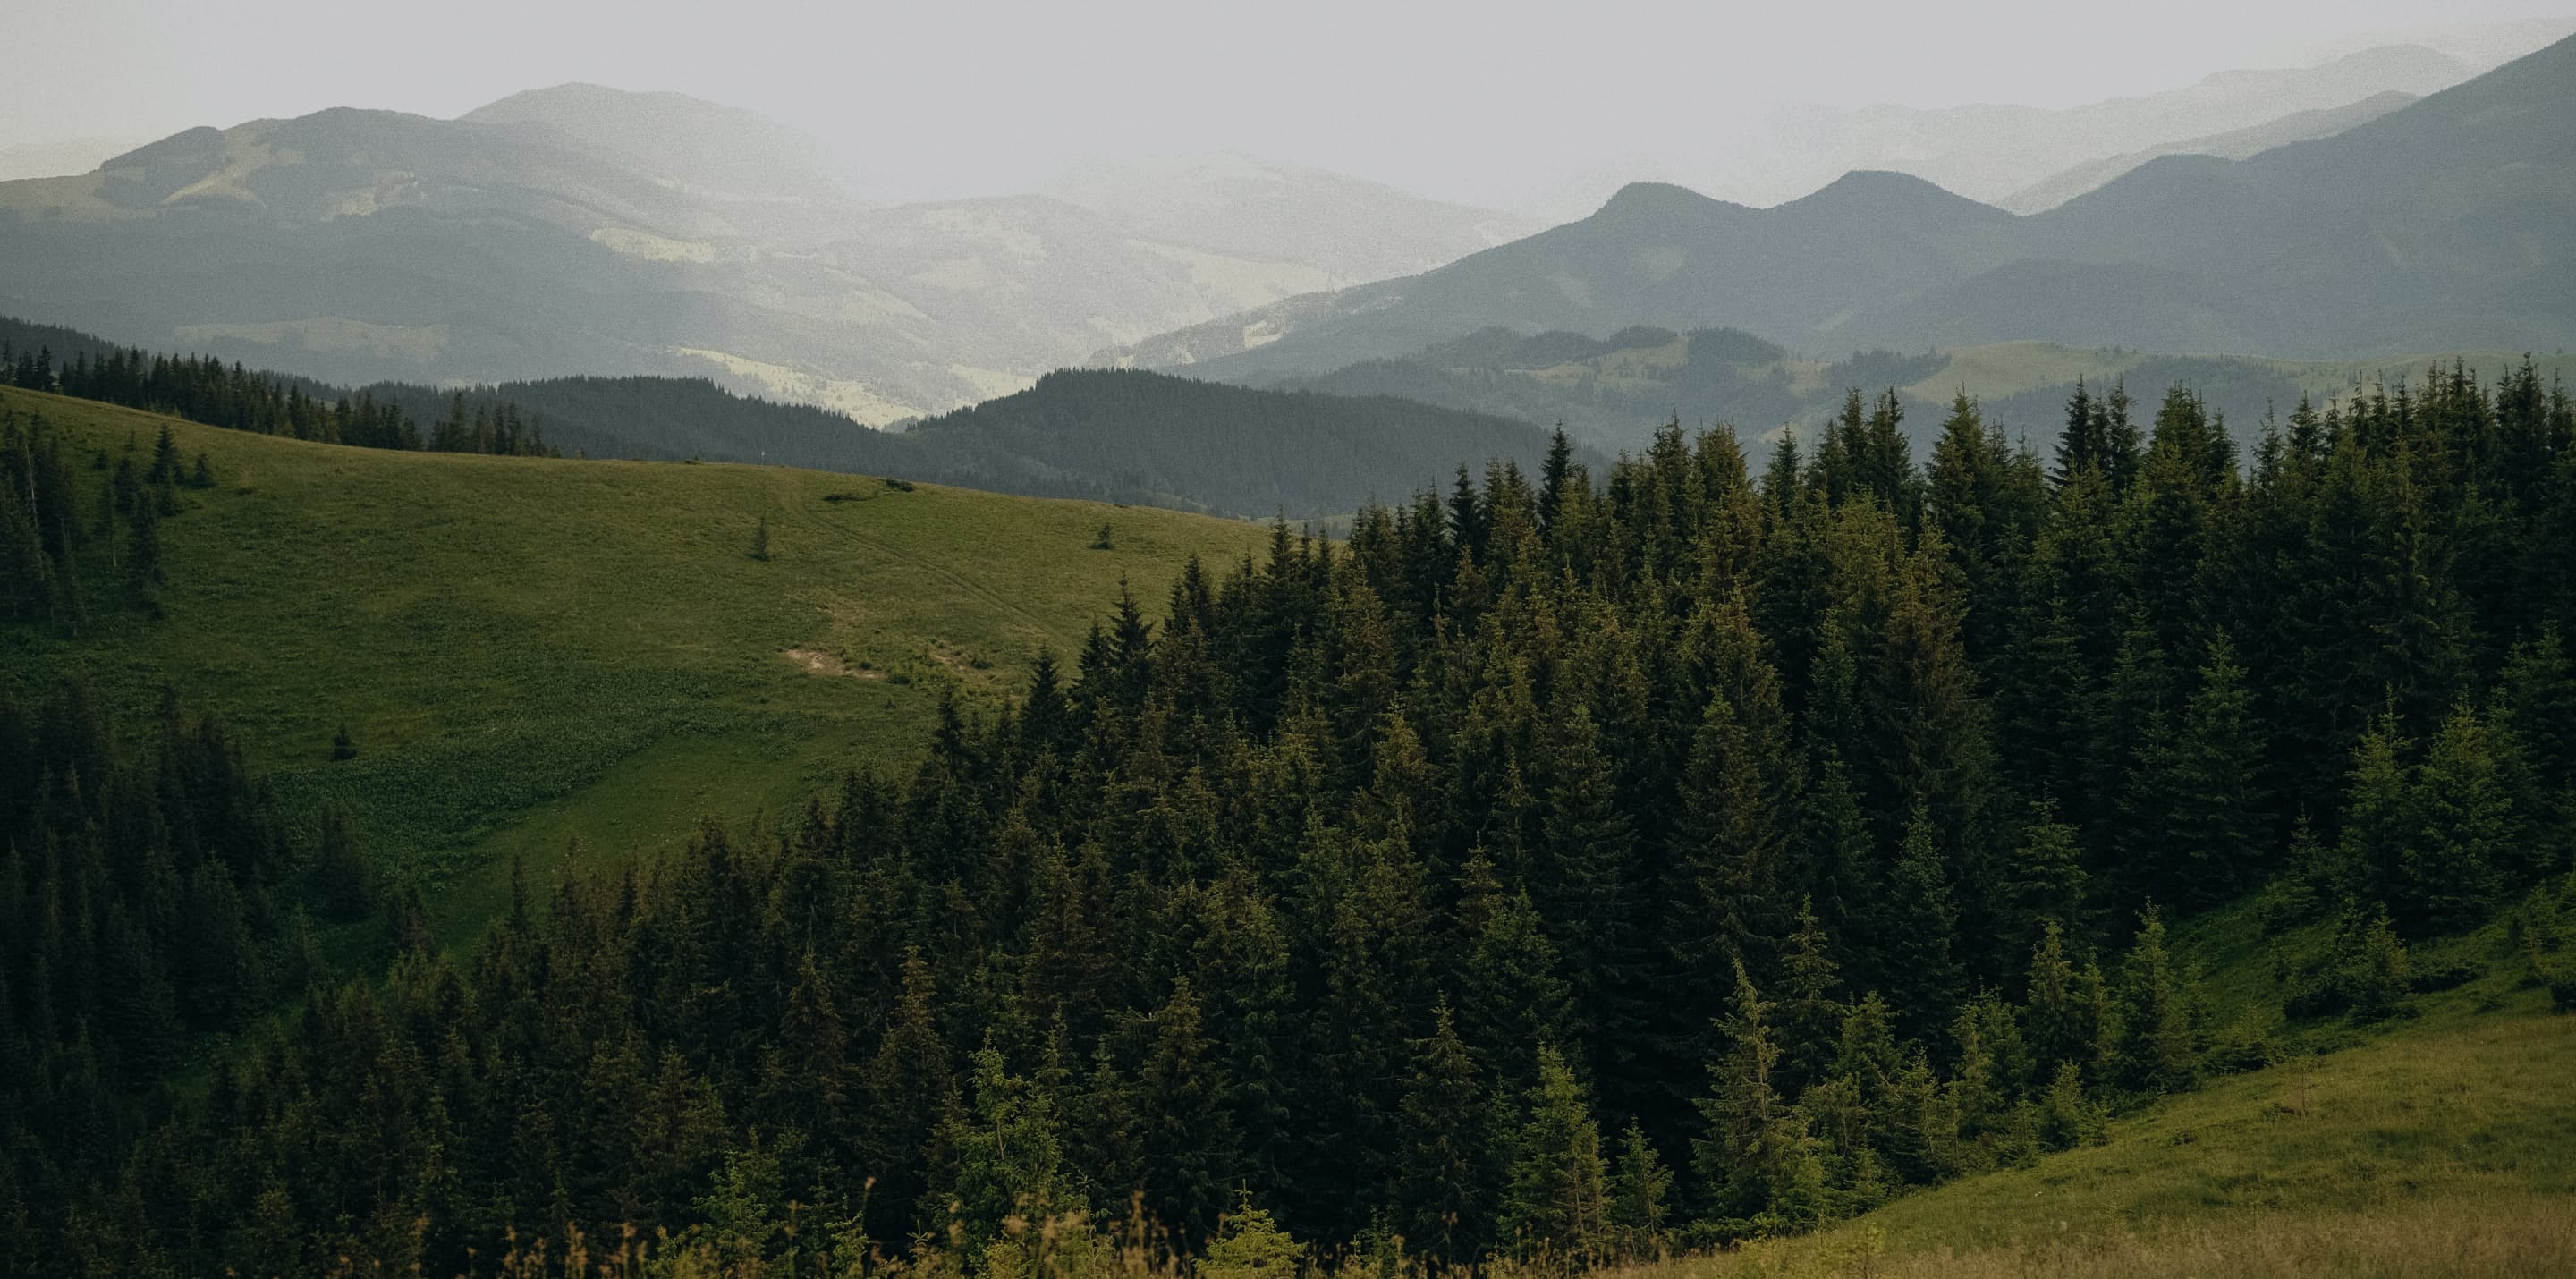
(947, 98)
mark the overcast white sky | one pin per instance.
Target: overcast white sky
(972, 96)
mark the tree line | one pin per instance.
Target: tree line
(204, 389)
(64, 559)
(1564, 864)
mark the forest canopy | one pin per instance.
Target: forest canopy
(1567, 863)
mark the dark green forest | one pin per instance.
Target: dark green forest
(203, 389)
(1572, 864)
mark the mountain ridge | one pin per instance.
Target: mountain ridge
(573, 231)
(2182, 253)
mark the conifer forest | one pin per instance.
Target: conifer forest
(1569, 865)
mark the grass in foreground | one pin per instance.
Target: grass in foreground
(528, 650)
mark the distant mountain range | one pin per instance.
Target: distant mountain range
(1992, 152)
(2236, 144)
(588, 230)
(2447, 223)
(583, 229)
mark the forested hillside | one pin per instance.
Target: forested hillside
(1570, 866)
(1147, 437)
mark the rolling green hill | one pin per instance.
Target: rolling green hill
(524, 648)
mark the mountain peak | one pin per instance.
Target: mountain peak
(1884, 190)
(699, 144)
(1659, 200)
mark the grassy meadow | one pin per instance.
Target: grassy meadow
(530, 651)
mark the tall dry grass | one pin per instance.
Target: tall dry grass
(2511, 1238)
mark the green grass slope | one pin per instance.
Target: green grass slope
(529, 650)
(2441, 1143)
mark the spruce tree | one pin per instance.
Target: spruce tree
(2044, 886)
(1809, 1015)
(1639, 1186)
(1756, 1156)
(1443, 1173)
(907, 1084)
(1593, 903)
(2059, 1011)
(1008, 1163)
(2450, 870)
(2159, 1052)
(2215, 828)
(1924, 975)
(1185, 1137)
(1556, 1197)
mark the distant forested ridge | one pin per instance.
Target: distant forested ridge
(1130, 437)
(1150, 437)
(1566, 865)
(203, 389)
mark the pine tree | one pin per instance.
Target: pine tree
(2044, 885)
(907, 1083)
(2215, 828)
(1556, 1198)
(1924, 977)
(2067, 1118)
(2060, 1011)
(1756, 1157)
(2159, 1052)
(809, 1068)
(2450, 870)
(1554, 479)
(1639, 1185)
(1185, 1137)
(1442, 1175)
(1726, 897)
(1510, 990)
(1810, 1017)
(1251, 1246)
(1009, 1165)
(2080, 445)
(1593, 903)
(2375, 848)
(143, 550)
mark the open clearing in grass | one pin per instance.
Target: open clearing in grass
(527, 650)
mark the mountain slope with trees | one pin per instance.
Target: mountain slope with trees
(1560, 867)
(1132, 436)
(521, 650)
